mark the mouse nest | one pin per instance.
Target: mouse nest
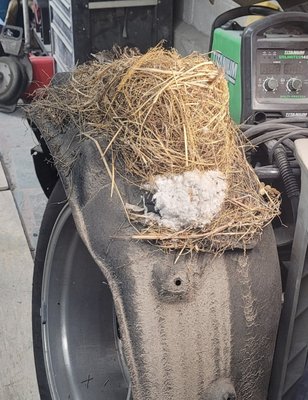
(165, 120)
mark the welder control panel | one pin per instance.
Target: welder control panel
(281, 76)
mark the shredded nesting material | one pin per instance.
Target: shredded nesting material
(162, 121)
(188, 200)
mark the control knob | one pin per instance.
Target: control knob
(294, 85)
(270, 84)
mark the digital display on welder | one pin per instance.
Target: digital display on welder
(294, 68)
(268, 69)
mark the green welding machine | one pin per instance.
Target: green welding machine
(265, 63)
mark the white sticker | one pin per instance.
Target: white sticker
(296, 114)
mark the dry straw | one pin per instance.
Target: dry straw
(161, 114)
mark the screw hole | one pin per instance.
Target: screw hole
(229, 397)
(178, 281)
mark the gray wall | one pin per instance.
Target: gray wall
(194, 19)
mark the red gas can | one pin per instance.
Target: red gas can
(43, 71)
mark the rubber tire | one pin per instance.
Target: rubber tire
(56, 202)
(16, 85)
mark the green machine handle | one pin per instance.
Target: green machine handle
(237, 13)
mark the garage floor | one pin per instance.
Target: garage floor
(21, 207)
(16, 141)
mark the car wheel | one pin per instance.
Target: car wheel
(77, 344)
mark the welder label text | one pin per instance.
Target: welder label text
(230, 67)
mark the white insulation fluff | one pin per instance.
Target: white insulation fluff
(191, 199)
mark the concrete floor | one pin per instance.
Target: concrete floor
(21, 207)
(16, 141)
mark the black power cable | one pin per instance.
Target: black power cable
(279, 135)
(288, 178)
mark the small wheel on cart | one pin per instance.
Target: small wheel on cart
(12, 80)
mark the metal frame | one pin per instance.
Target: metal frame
(292, 342)
(27, 33)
